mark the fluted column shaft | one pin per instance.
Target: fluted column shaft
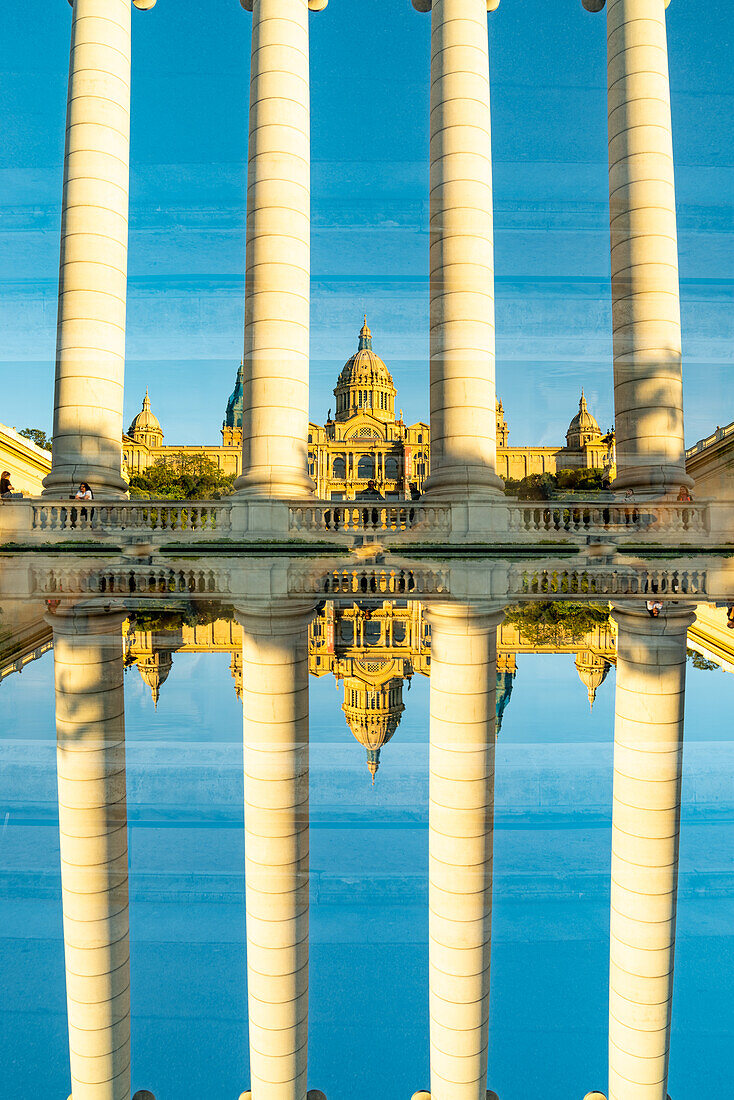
(462, 372)
(648, 389)
(90, 727)
(90, 342)
(275, 709)
(277, 276)
(462, 732)
(648, 746)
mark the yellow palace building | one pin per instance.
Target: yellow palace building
(364, 441)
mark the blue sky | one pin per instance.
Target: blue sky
(369, 143)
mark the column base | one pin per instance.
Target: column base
(424, 1095)
(274, 482)
(652, 481)
(62, 483)
(312, 1094)
(589, 1096)
(461, 482)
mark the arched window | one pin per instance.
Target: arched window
(366, 467)
(391, 468)
(339, 468)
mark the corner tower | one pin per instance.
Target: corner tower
(232, 426)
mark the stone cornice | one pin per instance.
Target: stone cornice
(313, 5)
(141, 5)
(598, 5)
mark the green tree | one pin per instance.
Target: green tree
(532, 487)
(587, 480)
(699, 661)
(182, 477)
(545, 622)
(548, 486)
(187, 613)
(37, 436)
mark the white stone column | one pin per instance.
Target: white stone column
(648, 748)
(461, 813)
(648, 389)
(463, 417)
(275, 709)
(90, 727)
(90, 338)
(278, 257)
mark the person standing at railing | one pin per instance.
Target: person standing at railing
(6, 489)
(84, 492)
(370, 493)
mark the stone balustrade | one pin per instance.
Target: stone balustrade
(372, 580)
(138, 581)
(368, 518)
(261, 575)
(190, 517)
(605, 582)
(502, 522)
(658, 519)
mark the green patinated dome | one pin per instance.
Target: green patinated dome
(233, 416)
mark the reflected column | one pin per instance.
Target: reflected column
(90, 727)
(275, 728)
(462, 731)
(648, 750)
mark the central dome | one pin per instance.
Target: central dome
(583, 428)
(146, 428)
(365, 384)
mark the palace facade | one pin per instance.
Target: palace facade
(365, 441)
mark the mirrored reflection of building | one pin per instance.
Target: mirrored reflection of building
(375, 647)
